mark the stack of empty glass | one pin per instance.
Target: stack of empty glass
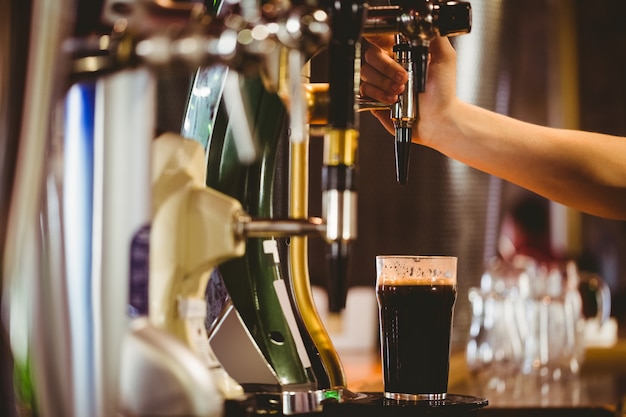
(527, 322)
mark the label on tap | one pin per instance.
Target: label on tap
(192, 308)
(285, 304)
(193, 312)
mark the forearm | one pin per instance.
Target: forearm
(586, 171)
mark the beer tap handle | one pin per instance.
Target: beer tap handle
(415, 24)
(453, 17)
(420, 66)
(340, 144)
(449, 18)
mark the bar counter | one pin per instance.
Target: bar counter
(598, 390)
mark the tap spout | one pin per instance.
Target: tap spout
(415, 24)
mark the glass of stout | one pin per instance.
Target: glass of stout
(416, 296)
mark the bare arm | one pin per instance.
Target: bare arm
(584, 170)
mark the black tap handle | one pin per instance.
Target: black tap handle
(453, 18)
(339, 181)
(337, 255)
(418, 22)
(403, 153)
(420, 67)
(347, 20)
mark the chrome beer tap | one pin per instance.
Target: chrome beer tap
(414, 24)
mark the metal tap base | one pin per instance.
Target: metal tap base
(263, 399)
(374, 404)
(368, 404)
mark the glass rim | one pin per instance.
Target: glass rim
(414, 269)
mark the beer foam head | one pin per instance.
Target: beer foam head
(416, 270)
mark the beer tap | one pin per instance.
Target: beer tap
(339, 171)
(414, 24)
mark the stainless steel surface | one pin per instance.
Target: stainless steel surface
(404, 111)
(419, 20)
(369, 104)
(415, 397)
(340, 215)
(383, 19)
(248, 227)
(296, 402)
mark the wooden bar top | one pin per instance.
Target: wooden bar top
(598, 388)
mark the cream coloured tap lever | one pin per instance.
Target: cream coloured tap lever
(191, 234)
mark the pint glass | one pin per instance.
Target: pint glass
(416, 296)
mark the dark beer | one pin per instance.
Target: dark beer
(415, 333)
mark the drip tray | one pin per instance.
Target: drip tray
(363, 404)
(374, 404)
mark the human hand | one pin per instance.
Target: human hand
(383, 79)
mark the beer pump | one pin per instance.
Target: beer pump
(339, 171)
(414, 24)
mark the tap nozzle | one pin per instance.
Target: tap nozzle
(337, 256)
(403, 153)
(414, 23)
(405, 112)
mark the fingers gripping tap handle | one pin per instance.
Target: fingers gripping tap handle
(415, 24)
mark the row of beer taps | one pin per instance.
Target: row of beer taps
(252, 39)
(272, 39)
